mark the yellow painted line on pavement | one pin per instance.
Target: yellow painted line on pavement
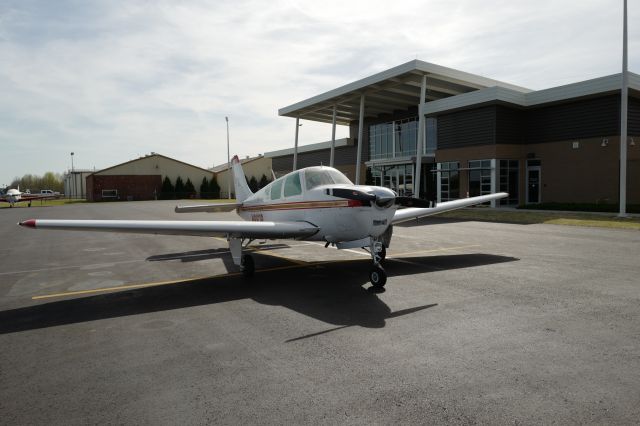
(280, 256)
(409, 253)
(297, 264)
(130, 286)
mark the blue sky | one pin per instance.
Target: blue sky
(112, 80)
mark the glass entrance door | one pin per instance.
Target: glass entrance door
(533, 185)
(399, 178)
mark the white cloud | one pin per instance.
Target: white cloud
(112, 81)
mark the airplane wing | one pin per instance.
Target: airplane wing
(209, 208)
(27, 197)
(204, 228)
(403, 215)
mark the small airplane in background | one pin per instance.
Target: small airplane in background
(314, 203)
(13, 196)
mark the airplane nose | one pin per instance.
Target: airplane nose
(385, 197)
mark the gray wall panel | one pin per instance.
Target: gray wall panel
(510, 125)
(345, 155)
(467, 128)
(633, 124)
(582, 119)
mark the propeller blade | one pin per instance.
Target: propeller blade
(351, 194)
(413, 202)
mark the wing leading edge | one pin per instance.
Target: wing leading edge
(208, 208)
(413, 213)
(204, 228)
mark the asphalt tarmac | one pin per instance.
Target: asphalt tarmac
(480, 323)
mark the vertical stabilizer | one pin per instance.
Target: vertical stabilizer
(239, 181)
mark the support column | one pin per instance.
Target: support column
(333, 137)
(295, 146)
(360, 132)
(494, 180)
(439, 182)
(421, 132)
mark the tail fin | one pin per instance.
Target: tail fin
(240, 181)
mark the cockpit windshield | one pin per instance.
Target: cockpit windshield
(323, 176)
(338, 177)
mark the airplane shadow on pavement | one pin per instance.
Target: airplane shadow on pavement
(332, 292)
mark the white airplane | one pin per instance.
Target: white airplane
(13, 196)
(315, 203)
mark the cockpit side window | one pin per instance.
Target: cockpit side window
(313, 178)
(276, 189)
(292, 185)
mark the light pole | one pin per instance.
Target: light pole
(624, 94)
(73, 177)
(228, 161)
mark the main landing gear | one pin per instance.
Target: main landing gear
(377, 274)
(244, 261)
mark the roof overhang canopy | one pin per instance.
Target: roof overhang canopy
(395, 89)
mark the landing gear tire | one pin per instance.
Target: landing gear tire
(248, 267)
(378, 277)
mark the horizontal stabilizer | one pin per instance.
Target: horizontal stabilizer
(208, 208)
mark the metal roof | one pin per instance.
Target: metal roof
(310, 148)
(397, 88)
(594, 87)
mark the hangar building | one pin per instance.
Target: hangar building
(478, 136)
(141, 179)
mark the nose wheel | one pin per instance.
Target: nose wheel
(377, 274)
(378, 277)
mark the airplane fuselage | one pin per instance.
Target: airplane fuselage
(338, 219)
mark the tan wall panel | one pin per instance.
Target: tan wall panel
(588, 174)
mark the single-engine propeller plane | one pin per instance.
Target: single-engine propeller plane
(13, 196)
(314, 203)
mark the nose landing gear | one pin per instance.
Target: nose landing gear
(377, 274)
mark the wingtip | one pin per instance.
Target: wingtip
(31, 223)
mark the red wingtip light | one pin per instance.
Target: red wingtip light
(31, 223)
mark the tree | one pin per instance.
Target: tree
(204, 188)
(214, 188)
(180, 193)
(168, 191)
(189, 189)
(253, 184)
(35, 183)
(264, 181)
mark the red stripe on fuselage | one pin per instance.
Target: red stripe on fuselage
(300, 205)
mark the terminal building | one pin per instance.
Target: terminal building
(427, 130)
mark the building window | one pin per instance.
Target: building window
(393, 139)
(449, 181)
(110, 193)
(509, 177)
(479, 177)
